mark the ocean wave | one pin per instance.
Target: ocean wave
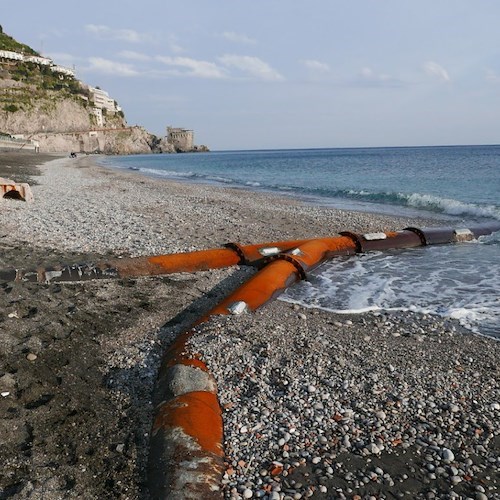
(452, 207)
(171, 174)
(216, 178)
(461, 283)
(427, 202)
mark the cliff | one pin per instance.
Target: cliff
(44, 102)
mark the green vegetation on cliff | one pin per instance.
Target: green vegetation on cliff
(35, 83)
(47, 104)
(8, 43)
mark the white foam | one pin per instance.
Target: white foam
(451, 206)
(453, 281)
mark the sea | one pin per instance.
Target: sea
(459, 185)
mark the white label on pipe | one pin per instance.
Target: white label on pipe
(374, 236)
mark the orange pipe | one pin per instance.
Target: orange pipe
(203, 422)
(200, 260)
(177, 263)
(280, 273)
(198, 414)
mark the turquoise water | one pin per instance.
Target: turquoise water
(459, 180)
(460, 183)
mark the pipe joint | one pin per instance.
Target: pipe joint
(419, 233)
(288, 257)
(356, 238)
(238, 250)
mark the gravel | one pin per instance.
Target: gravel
(345, 406)
(315, 404)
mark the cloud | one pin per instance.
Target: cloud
(251, 65)
(491, 76)
(238, 38)
(126, 35)
(435, 70)
(134, 56)
(192, 67)
(173, 45)
(368, 77)
(105, 66)
(315, 65)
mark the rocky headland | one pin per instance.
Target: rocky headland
(46, 108)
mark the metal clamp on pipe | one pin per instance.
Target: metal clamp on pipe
(289, 257)
(238, 249)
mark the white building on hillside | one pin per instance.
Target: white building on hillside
(99, 119)
(102, 100)
(61, 69)
(8, 54)
(43, 61)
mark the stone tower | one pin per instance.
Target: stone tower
(182, 139)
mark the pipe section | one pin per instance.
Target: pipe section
(282, 271)
(187, 429)
(186, 457)
(234, 254)
(202, 260)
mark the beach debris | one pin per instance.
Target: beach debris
(15, 190)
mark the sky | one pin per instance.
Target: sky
(283, 73)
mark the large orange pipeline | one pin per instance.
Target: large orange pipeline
(186, 453)
(233, 254)
(286, 268)
(201, 260)
(200, 425)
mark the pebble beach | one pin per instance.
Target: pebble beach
(315, 404)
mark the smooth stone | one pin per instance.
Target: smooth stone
(447, 455)
(373, 448)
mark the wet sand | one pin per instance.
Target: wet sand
(78, 360)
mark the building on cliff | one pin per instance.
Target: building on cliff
(8, 55)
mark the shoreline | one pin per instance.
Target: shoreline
(97, 347)
(227, 214)
(297, 197)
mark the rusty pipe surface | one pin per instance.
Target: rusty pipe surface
(186, 452)
(232, 254)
